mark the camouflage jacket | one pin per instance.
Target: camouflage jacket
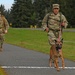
(53, 21)
(3, 23)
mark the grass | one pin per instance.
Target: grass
(2, 72)
(37, 40)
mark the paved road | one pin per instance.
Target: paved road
(20, 61)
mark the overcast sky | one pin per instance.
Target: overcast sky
(7, 3)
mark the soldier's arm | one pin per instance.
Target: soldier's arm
(65, 22)
(45, 22)
(6, 24)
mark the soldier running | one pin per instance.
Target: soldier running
(3, 29)
(52, 23)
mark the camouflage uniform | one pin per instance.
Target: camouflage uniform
(52, 22)
(3, 27)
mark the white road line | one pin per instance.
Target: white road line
(31, 67)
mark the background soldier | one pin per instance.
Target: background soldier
(52, 23)
(3, 29)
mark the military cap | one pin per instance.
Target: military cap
(55, 6)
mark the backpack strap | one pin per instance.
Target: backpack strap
(48, 17)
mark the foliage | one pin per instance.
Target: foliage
(21, 13)
(4, 12)
(41, 7)
(24, 13)
(2, 9)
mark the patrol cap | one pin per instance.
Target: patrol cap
(55, 6)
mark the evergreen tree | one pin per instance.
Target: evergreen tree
(41, 7)
(31, 12)
(5, 12)
(7, 15)
(21, 13)
(2, 9)
(70, 13)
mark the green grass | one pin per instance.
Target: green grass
(2, 72)
(37, 40)
(69, 45)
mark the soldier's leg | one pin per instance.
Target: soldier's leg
(1, 41)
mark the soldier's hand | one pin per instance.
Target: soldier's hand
(63, 24)
(47, 29)
(6, 31)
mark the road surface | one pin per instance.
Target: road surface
(20, 61)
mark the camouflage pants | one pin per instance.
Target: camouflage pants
(52, 36)
(1, 38)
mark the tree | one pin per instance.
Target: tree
(41, 7)
(70, 13)
(2, 9)
(31, 12)
(21, 13)
(8, 15)
(5, 12)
